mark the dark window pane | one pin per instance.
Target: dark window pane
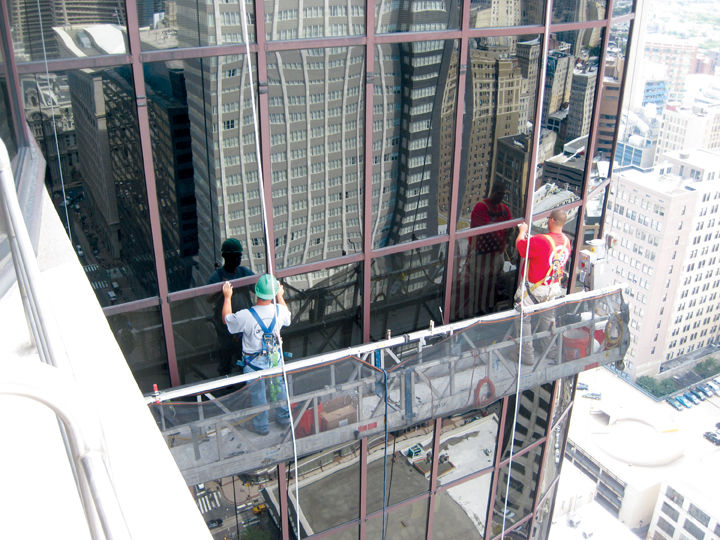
(204, 155)
(564, 396)
(461, 511)
(72, 30)
(317, 111)
(291, 19)
(521, 13)
(698, 514)
(500, 96)
(693, 529)
(7, 131)
(413, 139)
(664, 526)
(532, 420)
(142, 341)
(407, 290)
(194, 24)
(485, 274)
(334, 498)
(671, 512)
(96, 178)
(554, 455)
(416, 16)
(523, 481)
(578, 11)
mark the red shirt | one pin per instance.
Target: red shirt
(542, 255)
(485, 213)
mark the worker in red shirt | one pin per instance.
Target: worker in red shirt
(477, 290)
(547, 255)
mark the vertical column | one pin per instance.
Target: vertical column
(149, 170)
(363, 485)
(496, 468)
(367, 199)
(17, 108)
(282, 490)
(455, 178)
(434, 475)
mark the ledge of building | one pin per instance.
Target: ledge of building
(38, 489)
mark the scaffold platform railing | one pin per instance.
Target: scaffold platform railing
(396, 383)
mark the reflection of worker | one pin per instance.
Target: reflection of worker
(229, 345)
(260, 328)
(547, 255)
(486, 253)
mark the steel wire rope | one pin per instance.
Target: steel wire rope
(52, 113)
(269, 261)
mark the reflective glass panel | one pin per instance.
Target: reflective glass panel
(542, 516)
(567, 111)
(554, 456)
(565, 11)
(68, 30)
(406, 523)
(203, 141)
(407, 473)
(351, 533)
(416, 16)
(220, 498)
(485, 269)
(413, 139)
(407, 290)
(532, 418)
(506, 13)
(564, 396)
(622, 7)
(7, 131)
(521, 494)
(291, 19)
(333, 497)
(461, 511)
(142, 341)
(500, 101)
(194, 24)
(317, 111)
(86, 125)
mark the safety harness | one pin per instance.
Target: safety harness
(555, 271)
(270, 348)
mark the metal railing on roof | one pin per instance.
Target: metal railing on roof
(53, 384)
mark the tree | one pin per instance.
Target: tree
(707, 368)
(256, 534)
(657, 389)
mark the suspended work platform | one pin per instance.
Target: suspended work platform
(394, 384)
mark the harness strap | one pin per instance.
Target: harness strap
(264, 328)
(556, 261)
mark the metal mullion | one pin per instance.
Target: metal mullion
(496, 467)
(15, 93)
(514, 527)
(151, 187)
(401, 37)
(434, 476)
(566, 207)
(264, 126)
(464, 479)
(409, 246)
(367, 181)
(463, 54)
(592, 143)
(624, 18)
(524, 451)
(282, 491)
(390, 509)
(499, 226)
(129, 307)
(318, 43)
(581, 25)
(209, 289)
(537, 121)
(502, 31)
(187, 53)
(364, 443)
(86, 62)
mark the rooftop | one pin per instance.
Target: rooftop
(699, 157)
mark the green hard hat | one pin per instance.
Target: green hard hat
(230, 246)
(267, 287)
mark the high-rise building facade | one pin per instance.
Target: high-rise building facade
(345, 145)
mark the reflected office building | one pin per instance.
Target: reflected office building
(357, 150)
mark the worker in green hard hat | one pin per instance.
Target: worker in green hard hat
(262, 346)
(229, 344)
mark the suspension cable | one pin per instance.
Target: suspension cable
(270, 260)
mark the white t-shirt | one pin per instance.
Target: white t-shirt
(244, 322)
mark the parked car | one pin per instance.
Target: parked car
(214, 523)
(582, 386)
(592, 395)
(713, 437)
(692, 398)
(714, 387)
(79, 250)
(697, 393)
(707, 392)
(684, 401)
(717, 425)
(674, 404)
